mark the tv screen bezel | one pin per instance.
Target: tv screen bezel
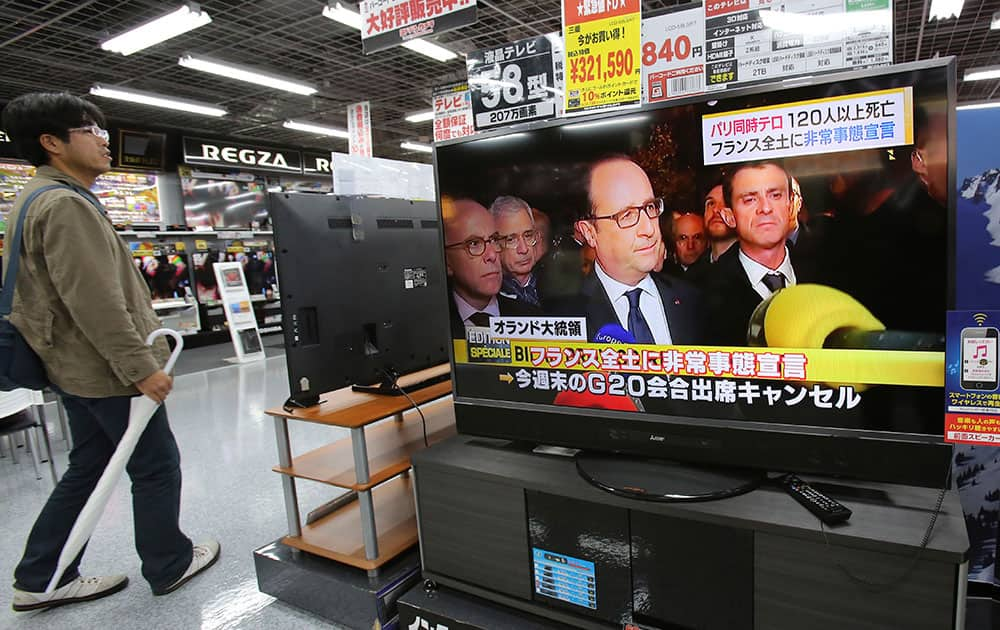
(910, 458)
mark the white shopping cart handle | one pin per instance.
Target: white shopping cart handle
(159, 332)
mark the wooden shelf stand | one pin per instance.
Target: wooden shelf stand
(380, 523)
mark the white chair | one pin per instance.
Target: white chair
(19, 415)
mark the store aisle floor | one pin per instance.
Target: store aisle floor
(229, 492)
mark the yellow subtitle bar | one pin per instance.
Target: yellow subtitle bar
(872, 367)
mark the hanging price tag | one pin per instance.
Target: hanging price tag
(602, 54)
(673, 55)
(512, 83)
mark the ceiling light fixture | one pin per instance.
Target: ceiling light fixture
(627, 120)
(982, 74)
(156, 100)
(339, 12)
(184, 19)
(995, 22)
(990, 105)
(316, 129)
(945, 9)
(416, 146)
(419, 117)
(426, 48)
(243, 73)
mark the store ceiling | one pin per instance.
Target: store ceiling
(54, 45)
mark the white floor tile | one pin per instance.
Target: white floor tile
(227, 449)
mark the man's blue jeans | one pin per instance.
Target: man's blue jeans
(97, 425)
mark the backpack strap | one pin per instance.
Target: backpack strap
(14, 253)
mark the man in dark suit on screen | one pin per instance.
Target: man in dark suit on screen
(472, 259)
(622, 226)
(759, 200)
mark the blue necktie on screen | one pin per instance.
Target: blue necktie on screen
(636, 322)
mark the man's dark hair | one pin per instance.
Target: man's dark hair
(29, 116)
(730, 174)
(587, 212)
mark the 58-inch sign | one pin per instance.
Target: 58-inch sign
(512, 83)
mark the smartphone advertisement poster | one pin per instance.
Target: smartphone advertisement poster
(972, 402)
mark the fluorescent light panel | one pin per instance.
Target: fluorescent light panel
(316, 129)
(416, 146)
(420, 117)
(243, 73)
(338, 12)
(156, 100)
(979, 106)
(995, 22)
(944, 9)
(982, 73)
(627, 120)
(426, 48)
(158, 30)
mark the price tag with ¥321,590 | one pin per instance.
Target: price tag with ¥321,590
(602, 54)
(673, 55)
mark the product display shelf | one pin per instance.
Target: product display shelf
(381, 523)
(389, 444)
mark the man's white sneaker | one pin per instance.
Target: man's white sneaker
(82, 589)
(203, 556)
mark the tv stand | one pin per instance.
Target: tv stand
(663, 480)
(489, 512)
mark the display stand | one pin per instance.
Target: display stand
(487, 508)
(239, 313)
(370, 533)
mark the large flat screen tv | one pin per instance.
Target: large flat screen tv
(361, 281)
(752, 277)
(224, 203)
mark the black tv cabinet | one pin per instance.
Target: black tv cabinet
(753, 561)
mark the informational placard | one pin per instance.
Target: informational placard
(129, 198)
(453, 112)
(239, 311)
(868, 120)
(355, 175)
(673, 55)
(762, 40)
(512, 83)
(388, 23)
(603, 65)
(972, 379)
(359, 125)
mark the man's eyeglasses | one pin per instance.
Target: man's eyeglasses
(629, 217)
(510, 240)
(95, 130)
(477, 246)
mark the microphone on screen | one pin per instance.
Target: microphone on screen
(614, 334)
(611, 334)
(818, 316)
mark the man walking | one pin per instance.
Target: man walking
(81, 304)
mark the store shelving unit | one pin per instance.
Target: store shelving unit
(373, 463)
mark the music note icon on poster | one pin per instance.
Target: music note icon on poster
(979, 358)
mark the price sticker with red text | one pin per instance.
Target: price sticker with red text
(602, 66)
(673, 55)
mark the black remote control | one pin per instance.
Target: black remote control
(822, 506)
